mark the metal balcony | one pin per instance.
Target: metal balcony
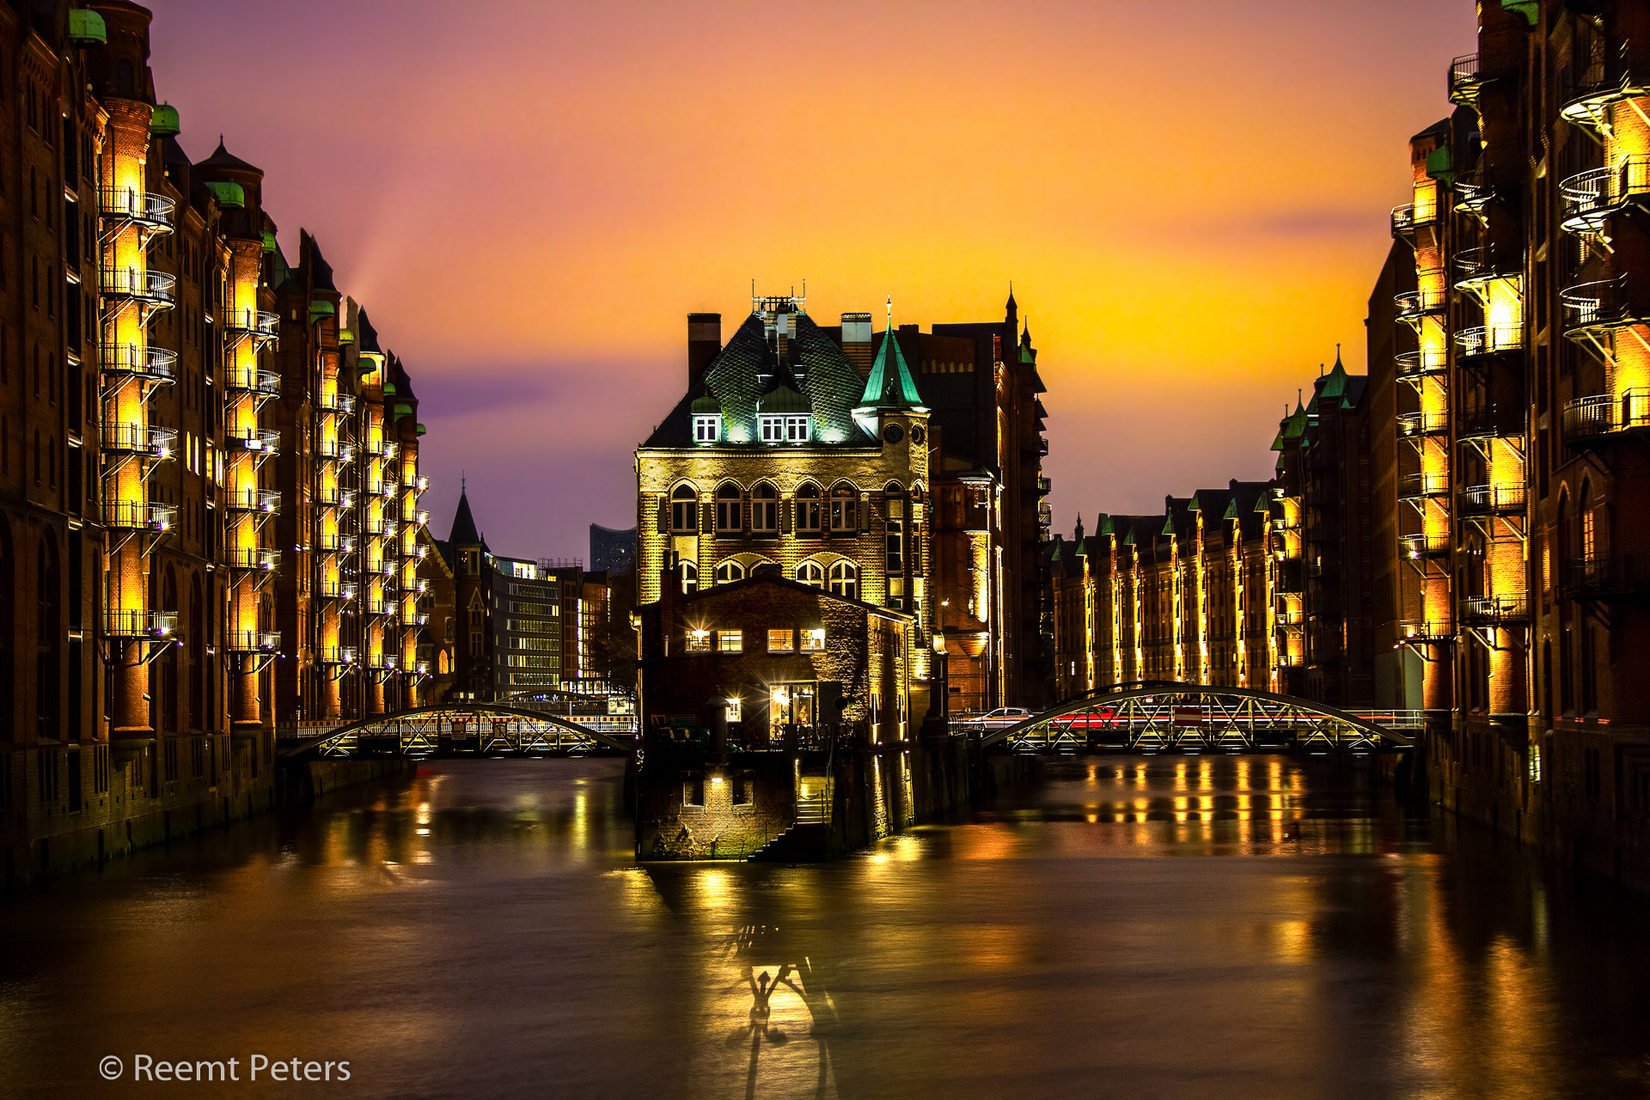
(154, 288)
(1422, 423)
(336, 402)
(331, 496)
(384, 487)
(1466, 79)
(251, 323)
(336, 655)
(418, 483)
(1490, 422)
(266, 383)
(138, 515)
(1412, 305)
(1594, 308)
(263, 501)
(253, 641)
(143, 207)
(1422, 486)
(1602, 84)
(150, 364)
(1425, 631)
(1406, 219)
(1489, 340)
(1593, 197)
(1494, 609)
(389, 449)
(254, 559)
(128, 623)
(1424, 546)
(134, 439)
(1492, 500)
(1419, 364)
(381, 661)
(260, 440)
(1599, 419)
(337, 590)
(337, 449)
(1473, 199)
(332, 542)
(1607, 577)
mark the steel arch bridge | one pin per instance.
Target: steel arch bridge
(1167, 716)
(486, 729)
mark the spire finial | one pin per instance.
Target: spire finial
(890, 313)
(463, 483)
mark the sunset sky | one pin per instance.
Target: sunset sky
(1191, 199)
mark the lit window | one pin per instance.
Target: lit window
(796, 429)
(807, 510)
(895, 546)
(845, 579)
(707, 428)
(813, 640)
(729, 571)
(772, 428)
(727, 510)
(698, 641)
(690, 578)
(779, 641)
(730, 641)
(843, 511)
(811, 572)
(765, 510)
(684, 511)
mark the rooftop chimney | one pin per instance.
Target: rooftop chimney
(856, 341)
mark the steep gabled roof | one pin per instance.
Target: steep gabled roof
(464, 531)
(890, 385)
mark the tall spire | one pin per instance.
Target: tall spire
(464, 531)
(890, 384)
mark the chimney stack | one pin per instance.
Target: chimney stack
(704, 343)
(856, 341)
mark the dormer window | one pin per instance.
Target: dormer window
(707, 427)
(783, 429)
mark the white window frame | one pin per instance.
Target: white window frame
(811, 572)
(764, 510)
(729, 571)
(796, 429)
(707, 427)
(844, 579)
(809, 508)
(772, 428)
(813, 639)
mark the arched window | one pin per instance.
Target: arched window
(728, 498)
(684, 511)
(729, 571)
(690, 578)
(844, 510)
(807, 509)
(1589, 535)
(845, 579)
(811, 572)
(764, 510)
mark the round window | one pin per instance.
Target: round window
(893, 433)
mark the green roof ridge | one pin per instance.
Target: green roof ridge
(890, 387)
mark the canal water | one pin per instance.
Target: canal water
(1204, 927)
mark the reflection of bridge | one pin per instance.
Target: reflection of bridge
(483, 729)
(1164, 716)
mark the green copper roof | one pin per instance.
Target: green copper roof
(1441, 164)
(783, 400)
(421, 429)
(86, 28)
(1104, 525)
(389, 389)
(345, 336)
(1056, 555)
(1529, 9)
(320, 307)
(707, 404)
(890, 385)
(269, 243)
(1231, 510)
(229, 194)
(1334, 383)
(164, 121)
(403, 409)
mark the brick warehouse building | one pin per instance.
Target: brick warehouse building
(204, 455)
(905, 472)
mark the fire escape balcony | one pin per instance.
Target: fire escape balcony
(128, 623)
(1425, 631)
(1601, 85)
(1490, 422)
(1606, 417)
(255, 380)
(1592, 197)
(418, 484)
(336, 402)
(152, 288)
(1406, 219)
(1413, 487)
(253, 559)
(1417, 547)
(336, 449)
(1466, 79)
(1474, 343)
(130, 361)
(1492, 500)
(1473, 199)
(251, 324)
(331, 542)
(136, 439)
(1045, 486)
(332, 496)
(125, 204)
(380, 662)
(1416, 424)
(138, 515)
(337, 655)
(1412, 305)
(1494, 609)
(253, 641)
(259, 440)
(260, 501)
(1595, 308)
(1420, 364)
(384, 487)
(1607, 577)
(337, 590)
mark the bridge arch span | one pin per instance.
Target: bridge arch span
(497, 727)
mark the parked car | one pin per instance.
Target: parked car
(999, 719)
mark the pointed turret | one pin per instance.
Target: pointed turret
(890, 385)
(464, 533)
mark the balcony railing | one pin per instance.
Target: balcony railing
(339, 449)
(384, 487)
(331, 496)
(153, 364)
(151, 287)
(252, 380)
(1417, 364)
(1426, 630)
(1489, 340)
(1599, 307)
(1415, 486)
(1424, 545)
(254, 323)
(381, 661)
(331, 542)
(1484, 262)
(1592, 197)
(138, 515)
(266, 501)
(1422, 423)
(1491, 422)
(1406, 218)
(1414, 304)
(336, 402)
(337, 655)
(128, 623)
(417, 483)
(1606, 81)
(144, 207)
(261, 440)
(253, 641)
(1494, 609)
(1473, 198)
(337, 590)
(1465, 79)
(1597, 418)
(1492, 500)
(1618, 576)
(140, 440)
(257, 559)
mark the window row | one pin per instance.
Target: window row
(771, 428)
(782, 639)
(725, 515)
(843, 576)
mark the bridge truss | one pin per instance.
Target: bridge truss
(1197, 718)
(483, 729)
